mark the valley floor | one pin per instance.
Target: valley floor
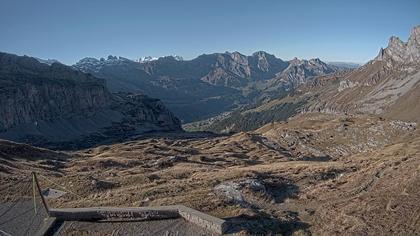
(314, 174)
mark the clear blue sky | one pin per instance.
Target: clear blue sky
(68, 30)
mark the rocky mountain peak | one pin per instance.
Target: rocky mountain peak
(311, 62)
(229, 59)
(300, 71)
(261, 54)
(295, 61)
(173, 57)
(315, 61)
(263, 58)
(92, 65)
(413, 45)
(47, 61)
(402, 52)
(178, 58)
(89, 60)
(146, 59)
(163, 58)
(238, 57)
(415, 34)
(394, 41)
(111, 57)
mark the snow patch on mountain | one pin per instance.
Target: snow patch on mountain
(150, 58)
(90, 64)
(47, 61)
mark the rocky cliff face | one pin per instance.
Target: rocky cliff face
(47, 105)
(407, 53)
(31, 91)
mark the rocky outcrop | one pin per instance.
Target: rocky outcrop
(402, 52)
(53, 105)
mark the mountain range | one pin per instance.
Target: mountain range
(46, 102)
(388, 85)
(209, 84)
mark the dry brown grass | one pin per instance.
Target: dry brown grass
(368, 190)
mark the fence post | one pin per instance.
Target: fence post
(35, 179)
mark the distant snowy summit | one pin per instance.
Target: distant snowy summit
(149, 58)
(47, 61)
(94, 65)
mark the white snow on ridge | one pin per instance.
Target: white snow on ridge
(90, 64)
(149, 58)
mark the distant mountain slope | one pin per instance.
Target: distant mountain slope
(346, 65)
(388, 85)
(207, 85)
(57, 105)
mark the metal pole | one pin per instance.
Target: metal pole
(34, 191)
(40, 193)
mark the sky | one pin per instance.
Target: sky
(351, 31)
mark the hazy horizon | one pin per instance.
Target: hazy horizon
(334, 31)
(185, 59)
